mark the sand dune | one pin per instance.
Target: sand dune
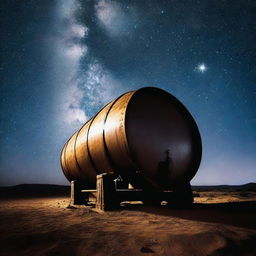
(49, 226)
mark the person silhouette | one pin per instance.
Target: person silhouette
(164, 168)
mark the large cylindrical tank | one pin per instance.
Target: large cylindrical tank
(147, 136)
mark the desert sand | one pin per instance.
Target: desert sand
(221, 222)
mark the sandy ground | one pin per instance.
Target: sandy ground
(218, 224)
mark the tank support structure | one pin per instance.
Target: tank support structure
(107, 196)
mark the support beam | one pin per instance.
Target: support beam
(106, 196)
(109, 198)
(77, 197)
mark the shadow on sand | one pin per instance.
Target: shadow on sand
(240, 214)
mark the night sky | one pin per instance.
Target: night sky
(61, 61)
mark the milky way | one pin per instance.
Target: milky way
(63, 60)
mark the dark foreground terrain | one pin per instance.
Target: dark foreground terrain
(37, 220)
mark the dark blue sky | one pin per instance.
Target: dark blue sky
(61, 61)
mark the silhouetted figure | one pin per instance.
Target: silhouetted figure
(164, 169)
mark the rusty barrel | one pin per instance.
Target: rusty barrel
(147, 136)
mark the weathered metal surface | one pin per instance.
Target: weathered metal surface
(63, 162)
(83, 157)
(115, 135)
(96, 143)
(70, 158)
(147, 136)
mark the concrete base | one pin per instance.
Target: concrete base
(108, 197)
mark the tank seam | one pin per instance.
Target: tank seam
(87, 144)
(104, 139)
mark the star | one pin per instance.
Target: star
(201, 68)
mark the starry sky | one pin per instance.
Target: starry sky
(62, 60)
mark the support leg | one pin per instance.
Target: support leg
(182, 196)
(151, 198)
(77, 196)
(106, 198)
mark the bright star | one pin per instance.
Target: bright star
(201, 68)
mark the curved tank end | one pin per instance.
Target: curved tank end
(163, 138)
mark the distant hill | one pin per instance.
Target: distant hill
(34, 190)
(48, 190)
(245, 187)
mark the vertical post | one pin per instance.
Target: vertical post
(183, 195)
(106, 198)
(76, 194)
